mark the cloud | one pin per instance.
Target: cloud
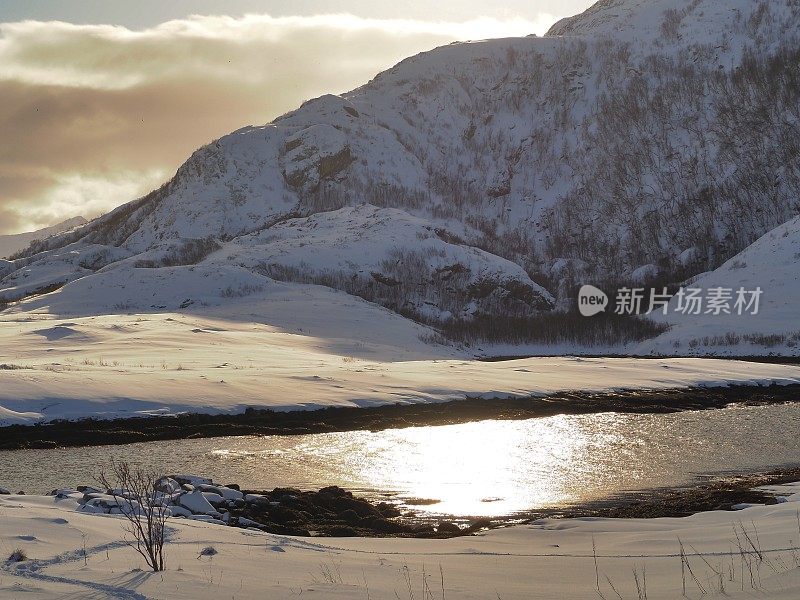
(92, 116)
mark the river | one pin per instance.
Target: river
(486, 468)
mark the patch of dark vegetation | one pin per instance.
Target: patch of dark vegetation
(553, 328)
(504, 312)
(94, 432)
(189, 252)
(46, 289)
(409, 285)
(447, 236)
(769, 359)
(17, 556)
(380, 278)
(717, 492)
(731, 338)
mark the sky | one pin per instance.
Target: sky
(102, 100)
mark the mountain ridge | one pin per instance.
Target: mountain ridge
(15, 242)
(630, 137)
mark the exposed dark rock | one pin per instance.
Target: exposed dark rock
(350, 517)
(450, 528)
(331, 511)
(339, 531)
(387, 510)
(479, 525)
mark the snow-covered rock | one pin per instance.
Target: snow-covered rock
(689, 257)
(194, 480)
(168, 485)
(63, 493)
(223, 492)
(644, 274)
(207, 519)
(179, 511)
(314, 154)
(213, 499)
(109, 504)
(256, 499)
(197, 503)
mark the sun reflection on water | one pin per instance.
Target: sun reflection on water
(482, 468)
(486, 468)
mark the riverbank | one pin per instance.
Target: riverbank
(95, 432)
(728, 492)
(334, 512)
(66, 553)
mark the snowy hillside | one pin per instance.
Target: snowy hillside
(13, 243)
(640, 141)
(771, 263)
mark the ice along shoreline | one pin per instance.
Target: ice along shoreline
(265, 422)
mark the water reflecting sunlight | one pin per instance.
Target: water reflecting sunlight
(486, 468)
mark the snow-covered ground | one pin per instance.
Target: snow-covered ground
(286, 346)
(74, 555)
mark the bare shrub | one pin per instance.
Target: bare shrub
(17, 556)
(191, 252)
(768, 340)
(141, 503)
(246, 289)
(187, 252)
(670, 26)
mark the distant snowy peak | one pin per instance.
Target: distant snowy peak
(694, 21)
(10, 244)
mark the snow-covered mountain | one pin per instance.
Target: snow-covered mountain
(646, 140)
(13, 243)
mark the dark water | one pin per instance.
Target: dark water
(485, 468)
